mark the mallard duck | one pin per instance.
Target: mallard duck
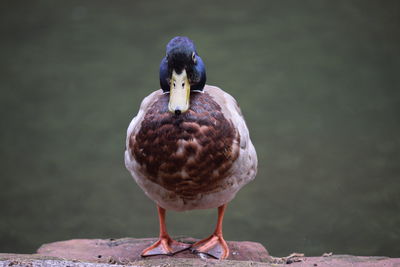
(189, 147)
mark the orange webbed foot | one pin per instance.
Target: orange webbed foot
(165, 246)
(215, 246)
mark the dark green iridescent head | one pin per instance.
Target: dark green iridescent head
(181, 54)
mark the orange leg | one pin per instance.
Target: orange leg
(165, 244)
(214, 245)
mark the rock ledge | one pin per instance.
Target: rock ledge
(126, 252)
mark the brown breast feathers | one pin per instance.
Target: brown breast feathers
(190, 153)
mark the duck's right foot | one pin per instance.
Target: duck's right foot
(165, 246)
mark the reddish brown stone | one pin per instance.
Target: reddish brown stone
(128, 250)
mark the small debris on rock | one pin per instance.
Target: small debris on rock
(294, 257)
(203, 256)
(327, 254)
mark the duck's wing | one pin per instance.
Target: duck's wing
(245, 166)
(134, 126)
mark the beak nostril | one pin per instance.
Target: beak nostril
(177, 112)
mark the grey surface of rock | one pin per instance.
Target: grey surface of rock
(36, 260)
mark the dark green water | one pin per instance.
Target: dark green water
(318, 82)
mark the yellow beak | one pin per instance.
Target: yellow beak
(179, 93)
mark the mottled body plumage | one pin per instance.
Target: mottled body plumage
(196, 160)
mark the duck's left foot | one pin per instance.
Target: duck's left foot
(215, 246)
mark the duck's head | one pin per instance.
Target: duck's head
(182, 71)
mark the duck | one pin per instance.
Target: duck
(189, 148)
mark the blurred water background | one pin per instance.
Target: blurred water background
(318, 82)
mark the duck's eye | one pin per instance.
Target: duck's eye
(194, 59)
(183, 84)
(174, 84)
